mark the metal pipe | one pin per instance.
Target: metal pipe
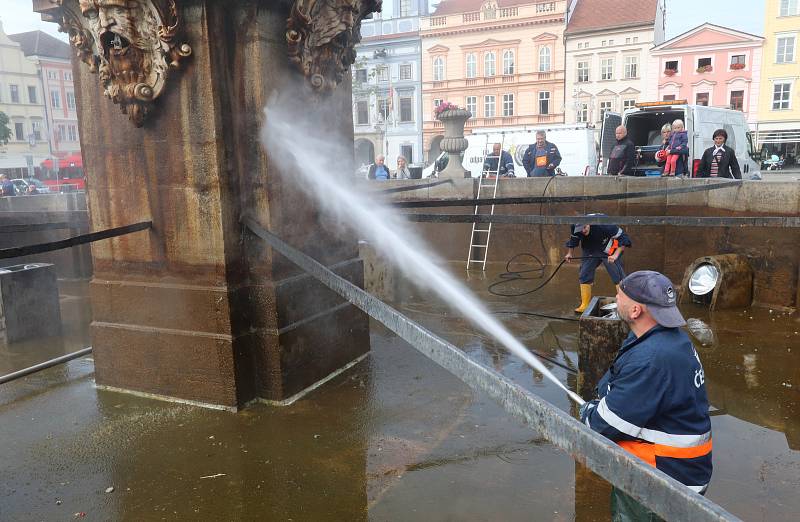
(662, 494)
(43, 366)
(679, 221)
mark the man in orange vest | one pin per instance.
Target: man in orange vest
(652, 401)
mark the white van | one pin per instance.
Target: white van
(575, 143)
(644, 123)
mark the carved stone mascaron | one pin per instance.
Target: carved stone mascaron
(130, 44)
(321, 36)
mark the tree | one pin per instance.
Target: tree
(5, 130)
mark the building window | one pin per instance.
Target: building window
(603, 43)
(406, 109)
(781, 95)
(61, 133)
(790, 8)
(361, 76)
(55, 99)
(737, 100)
(406, 72)
(631, 67)
(668, 97)
(72, 133)
(508, 105)
(671, 65)
(67, 76)
(407, 151)
(383, 109)
(14, 93)
(52, 75)
(611, 42)
(437, 102)
(472, 65)
(71, 100)
(472, 105)
(438, 69)
(405, 7)
(32, 94)
(627, 40)
(488, 106)
(544, 102)
(703, 62)
(580, 45)
(19, 131)
(607, 69)
(737, 59)
(544, 59)
(785, 52)
(37, 130)
(489, 64)
(583, 113)
(508, 62)
(382, 73)
(628, 104)
(583, 71)
(605, 106)
(362, 112)
(701, 98)
(635, 39)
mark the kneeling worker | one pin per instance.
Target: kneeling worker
(652, 401)
(600, 244)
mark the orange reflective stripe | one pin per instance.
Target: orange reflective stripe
(648, 452)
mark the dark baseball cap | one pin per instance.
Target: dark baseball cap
(654, 290)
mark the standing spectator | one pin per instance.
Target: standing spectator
(6, 186)
(506, 162)
(661, 154)
(623, 156)
(378, 170)
(402, 171)
(719, 161)
(31, 190)
(541, 158)
(677, 151)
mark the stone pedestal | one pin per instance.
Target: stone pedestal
(197, 309)
(29, 304)
(454, 142)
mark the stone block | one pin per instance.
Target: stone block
(29, 302)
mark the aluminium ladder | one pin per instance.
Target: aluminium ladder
(481, 232)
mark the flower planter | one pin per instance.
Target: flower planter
(454, 142)
(670, 72)
(737, 66)
(705, 69)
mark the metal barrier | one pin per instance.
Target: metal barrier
(662, 494)
(43, 366)
(678, 221)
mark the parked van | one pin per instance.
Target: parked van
(644, 122)
(575, 143)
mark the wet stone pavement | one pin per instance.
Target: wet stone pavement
(394, 438)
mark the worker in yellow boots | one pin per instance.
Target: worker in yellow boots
(599, 244)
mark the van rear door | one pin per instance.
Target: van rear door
(611, 120)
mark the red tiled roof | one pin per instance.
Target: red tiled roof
(447, 7)
(602, 14)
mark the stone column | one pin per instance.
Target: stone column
(197, 309)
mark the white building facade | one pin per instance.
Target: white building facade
(607, 59)
(387, 87)
(22, 100)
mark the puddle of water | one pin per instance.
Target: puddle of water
(395, 438)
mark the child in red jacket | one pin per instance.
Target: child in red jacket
(677, 149)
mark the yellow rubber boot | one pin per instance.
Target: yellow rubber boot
(586, 296)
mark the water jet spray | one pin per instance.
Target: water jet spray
(390, 233)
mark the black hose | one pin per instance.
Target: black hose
(516, 275)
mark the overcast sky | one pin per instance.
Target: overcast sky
(682, 15)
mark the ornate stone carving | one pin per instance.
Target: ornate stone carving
(130, 44)
(321, 35)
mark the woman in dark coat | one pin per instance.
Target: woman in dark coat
(719, 161)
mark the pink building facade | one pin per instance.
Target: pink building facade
(708, 65)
